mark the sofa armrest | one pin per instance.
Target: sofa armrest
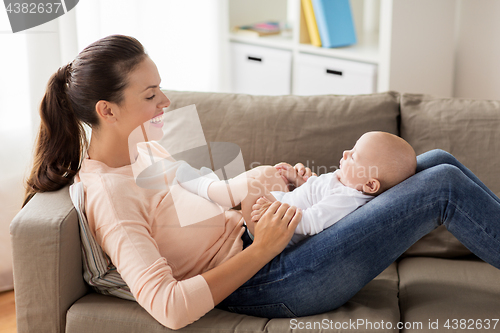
(47, 262)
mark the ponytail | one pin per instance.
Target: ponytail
(99, 72)
(61, 140)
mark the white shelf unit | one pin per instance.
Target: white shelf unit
(411, 42)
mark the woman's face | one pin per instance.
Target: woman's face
(141, 111)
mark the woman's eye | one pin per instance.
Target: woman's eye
(150, 98)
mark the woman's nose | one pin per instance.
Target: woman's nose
(344, 155)
(165, 102)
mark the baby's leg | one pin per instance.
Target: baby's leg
(268, 176)
(246, 188)
(243, 189)
(256, 190)
(231, 193)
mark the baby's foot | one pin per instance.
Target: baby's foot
(194, 180)
(206, 172)
(260, 208)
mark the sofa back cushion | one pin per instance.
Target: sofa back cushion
(314, 130)
(468, 129)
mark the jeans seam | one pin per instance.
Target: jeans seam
(263, 284)
(250, 307)
(474, 222)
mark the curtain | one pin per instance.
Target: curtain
(184, 38)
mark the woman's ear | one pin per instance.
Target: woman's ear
(372, 186)
(105, 111)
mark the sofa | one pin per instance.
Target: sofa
(436, 285)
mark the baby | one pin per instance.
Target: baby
(377, 162)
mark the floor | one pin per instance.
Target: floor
(7, 312)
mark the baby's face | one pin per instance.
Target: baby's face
(361, 163)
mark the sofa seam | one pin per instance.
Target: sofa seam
(82, 316)
(62, 321)
(399, 294)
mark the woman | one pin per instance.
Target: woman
(179, 272)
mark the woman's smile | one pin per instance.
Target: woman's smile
(157, 121)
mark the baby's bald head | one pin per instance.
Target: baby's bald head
(377, 157)
(394, 157)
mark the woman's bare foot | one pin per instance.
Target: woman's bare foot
(259, 208)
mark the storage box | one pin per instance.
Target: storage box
(318, 75)
(260, 70)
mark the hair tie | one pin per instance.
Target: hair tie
(67, 71)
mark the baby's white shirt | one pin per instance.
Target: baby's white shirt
(324, 200)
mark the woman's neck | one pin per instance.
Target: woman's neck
(110, 151)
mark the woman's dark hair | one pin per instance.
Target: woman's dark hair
(99, 72)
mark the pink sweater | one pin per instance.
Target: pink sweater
(160, 238)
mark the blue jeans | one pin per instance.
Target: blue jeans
(326, 270)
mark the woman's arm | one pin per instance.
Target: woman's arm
(177, 303)
(271, 235)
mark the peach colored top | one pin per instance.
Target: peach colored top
(158, 235)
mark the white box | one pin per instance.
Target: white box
(260, 70)
(318, 75)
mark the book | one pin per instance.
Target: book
(335, 23)
(259, 29)
(312, 27)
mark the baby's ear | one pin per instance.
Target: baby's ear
(372, 186)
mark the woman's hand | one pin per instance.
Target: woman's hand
(276, 227)
(271, 236)
(295, 176)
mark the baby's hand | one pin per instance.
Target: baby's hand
(303, 171)
(295, 176)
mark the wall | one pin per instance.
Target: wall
(15, 136)
(477, 64)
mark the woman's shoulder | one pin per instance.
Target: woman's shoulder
(119, 183)
(109, 185)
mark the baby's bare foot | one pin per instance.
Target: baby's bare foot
(260, 208)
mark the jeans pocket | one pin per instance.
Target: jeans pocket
(278, 310)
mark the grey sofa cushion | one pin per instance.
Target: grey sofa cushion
(468, 129)
(377, 301)
(439, 243)
(314, 130)
(441, 289)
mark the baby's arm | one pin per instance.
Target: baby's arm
(316, 218)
